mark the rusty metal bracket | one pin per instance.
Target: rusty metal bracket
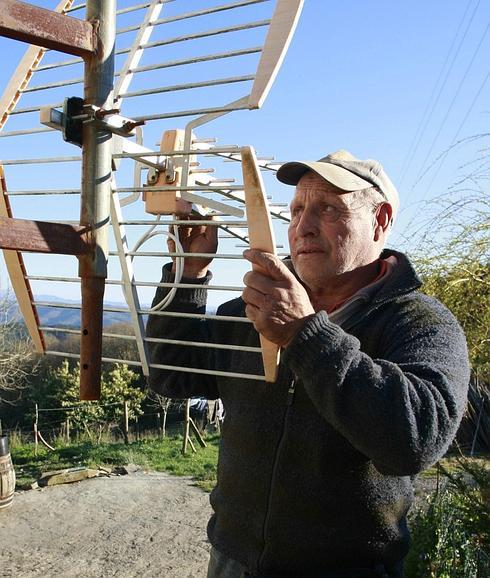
(44, 237)
(42, 27)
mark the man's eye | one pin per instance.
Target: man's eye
(329, 209)
(330, 212)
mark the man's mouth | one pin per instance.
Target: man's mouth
(308, 251)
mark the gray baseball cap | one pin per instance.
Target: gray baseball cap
(346, 172)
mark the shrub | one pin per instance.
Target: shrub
(451, 537)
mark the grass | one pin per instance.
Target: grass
(452, 464)
(152, 454)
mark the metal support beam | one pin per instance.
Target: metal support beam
(42, 27)
(96, 195)
(42, 237)
(23, 74)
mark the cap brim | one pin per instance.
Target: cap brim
(290, 174)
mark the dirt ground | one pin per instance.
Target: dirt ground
(142, 524)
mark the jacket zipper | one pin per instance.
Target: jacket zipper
(291, 391)
(289, 403)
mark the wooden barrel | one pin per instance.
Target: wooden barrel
(7, 475)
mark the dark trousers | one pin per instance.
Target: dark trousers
(221, 566)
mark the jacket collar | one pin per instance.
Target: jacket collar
(402, 280)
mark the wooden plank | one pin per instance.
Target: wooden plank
(281, 30)
(23, 74)
(67, 476)
(47, 28)
(43, 237)
(17, 274)
(261, 236)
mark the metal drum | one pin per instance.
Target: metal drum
(7, 475)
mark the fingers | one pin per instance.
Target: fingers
(253, 313)
(254, 297)
(258, 281)
(211, 234)
(189, 235)
(269, 263)
(194, 239)
(275, 301)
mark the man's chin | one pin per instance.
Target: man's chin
(313, 277)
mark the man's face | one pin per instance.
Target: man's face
(330, 232)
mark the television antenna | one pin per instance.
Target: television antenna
(119, 53)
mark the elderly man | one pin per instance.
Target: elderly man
(315, 471)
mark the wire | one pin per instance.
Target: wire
(443, 157)
(179, 261)
(429, 110)
(40, 409)
(423, 172)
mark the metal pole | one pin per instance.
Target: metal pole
(96, 193)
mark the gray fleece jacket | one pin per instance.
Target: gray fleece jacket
(315, 471)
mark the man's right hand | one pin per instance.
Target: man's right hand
(195, 239)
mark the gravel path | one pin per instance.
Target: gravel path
(143, 524)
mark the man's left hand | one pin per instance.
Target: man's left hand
(276, 302)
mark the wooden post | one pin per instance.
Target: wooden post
(35, 431)
(164, 424)
(197, 433)
(186, 426)
(67, 429)
(126, 423)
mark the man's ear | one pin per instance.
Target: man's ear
(384, 214)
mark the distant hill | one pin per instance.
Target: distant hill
(65, 316)
(70, 317)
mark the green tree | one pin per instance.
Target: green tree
(465, 290)
(117, 386)
(453, 258)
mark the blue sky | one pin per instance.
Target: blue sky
(397, 81)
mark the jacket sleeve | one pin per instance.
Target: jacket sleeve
(168, 381)
(402, 408)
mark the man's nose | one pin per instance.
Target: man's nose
(308, 223)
